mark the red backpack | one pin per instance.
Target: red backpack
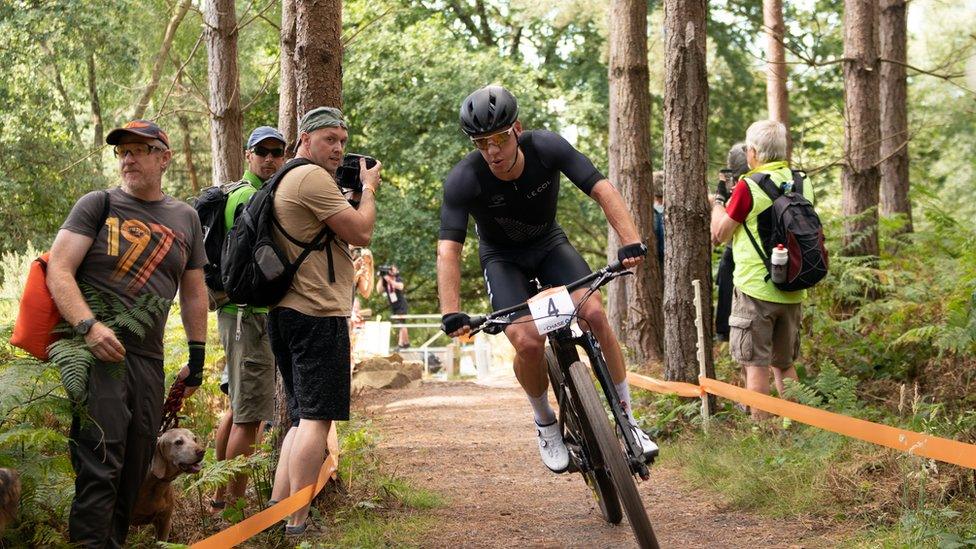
(38, 315)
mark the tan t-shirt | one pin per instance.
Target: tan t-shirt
(304, 200)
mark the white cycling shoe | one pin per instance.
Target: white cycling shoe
(553, 449)
(648, 446)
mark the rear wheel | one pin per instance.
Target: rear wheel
(593, 417)
(596, 478)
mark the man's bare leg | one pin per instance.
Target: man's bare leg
(241, 443)
(757, 379)
(220, 449)
(779, 375)
(305, 460)
(282, 484)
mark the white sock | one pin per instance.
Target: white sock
(544, 414)
(623, 391)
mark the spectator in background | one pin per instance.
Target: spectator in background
(735, 166)
(391, 284)
(243, 329)
(764, 325)
(658, 179)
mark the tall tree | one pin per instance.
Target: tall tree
(179, 12)
(894, 111)
(687, 243)
(98, 138)
(634, 304)
(862, 132)
(318, 54)
(226, 119)
(777, 98)
(287, 117)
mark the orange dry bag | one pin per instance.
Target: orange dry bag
(38, 315)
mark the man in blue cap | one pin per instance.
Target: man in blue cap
(243, 329)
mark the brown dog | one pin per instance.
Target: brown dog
(9, 496)
(177, 452)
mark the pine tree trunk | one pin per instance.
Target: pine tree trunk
(634, 303)
(894, 112)
(687, 241)
(318, 54)
(179, 12)
(862, 132)
(287, 117)
(777, 98)
(191, 167)
(226, 119)
(98, 137)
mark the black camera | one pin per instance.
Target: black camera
(347, 174)
(385, 270)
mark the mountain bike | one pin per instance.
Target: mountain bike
(603, 449)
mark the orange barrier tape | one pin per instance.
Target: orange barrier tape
(919, 444)
(256, 524)
(668, 387)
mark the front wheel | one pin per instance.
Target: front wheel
(592, 412)
(596, 478)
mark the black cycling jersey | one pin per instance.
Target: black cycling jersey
(511, 213)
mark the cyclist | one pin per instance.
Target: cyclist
(510, 185)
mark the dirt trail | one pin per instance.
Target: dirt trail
(474, 445)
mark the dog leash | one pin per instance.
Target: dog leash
(172, 406)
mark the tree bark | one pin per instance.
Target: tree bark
(777, 97)
(862, 132)
(191, 167)
(894, 112)
(687, 243)
(174, 23)
(98, 138)
(226, 119)
(287, 117)
(634, 303)
(318, 54)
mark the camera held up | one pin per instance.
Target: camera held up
(348, 176)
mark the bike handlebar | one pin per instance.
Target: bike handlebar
(600, 278)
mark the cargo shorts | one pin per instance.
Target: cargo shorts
(764, 333)
(250, 365)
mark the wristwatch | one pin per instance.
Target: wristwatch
(84, 326)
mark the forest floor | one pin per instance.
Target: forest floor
(474, 446)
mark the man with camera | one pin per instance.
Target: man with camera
(510, 185)
(391, 284)
(309, 328)
(243, 328)
(735, 166)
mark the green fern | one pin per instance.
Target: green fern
(803, 394)
(72, 355)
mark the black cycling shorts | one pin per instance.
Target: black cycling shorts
(509, 271)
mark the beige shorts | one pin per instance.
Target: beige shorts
(250, 366)
(763, 333)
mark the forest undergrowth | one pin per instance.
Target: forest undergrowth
(890, 340)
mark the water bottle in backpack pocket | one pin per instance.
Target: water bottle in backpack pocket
(791, 222)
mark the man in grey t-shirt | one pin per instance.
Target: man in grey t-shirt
(126, 242)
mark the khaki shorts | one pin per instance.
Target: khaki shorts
(250, 366)
(763, 333)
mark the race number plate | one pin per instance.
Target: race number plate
(552, 309)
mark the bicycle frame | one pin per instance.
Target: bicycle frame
(564, 345)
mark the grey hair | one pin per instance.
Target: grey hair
(736, 160)
(768, 139)
(658, 178)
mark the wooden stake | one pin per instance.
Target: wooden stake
(700, 324)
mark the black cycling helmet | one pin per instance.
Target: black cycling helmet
(488, 109)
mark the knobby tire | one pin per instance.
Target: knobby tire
(597, 479)
(613, 454)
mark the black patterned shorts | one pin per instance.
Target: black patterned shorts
(313, 357)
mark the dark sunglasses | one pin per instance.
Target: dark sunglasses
(261, 151)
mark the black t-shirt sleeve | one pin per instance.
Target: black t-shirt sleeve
(564, 157)
(460, 188)
(86, 214)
